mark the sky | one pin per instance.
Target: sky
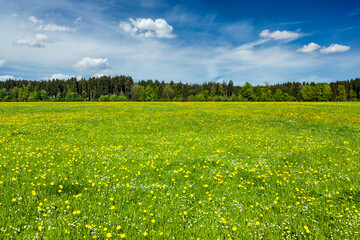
(191, 41)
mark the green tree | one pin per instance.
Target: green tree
(247, 92)
(327, 92)
(341, 93)
(36, 93)
(136, 92)
(278, 96)
(168, 92)
(352, 95)
(20, 95)
(43, 95)
(58, 96)
(15, 91)
(149, 93)
(318, 92)
(307, 93)
(3, 94)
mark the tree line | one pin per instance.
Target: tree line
(123, 88)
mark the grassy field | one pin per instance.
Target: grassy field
(180, 170)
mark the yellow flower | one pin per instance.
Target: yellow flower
(122, 235)
(118, 227)
(40, 228)
(145, 234)
(234, 228)
(108, 235)
(161, 233)
(205, 185)
(153, 220)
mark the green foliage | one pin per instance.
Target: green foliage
(352, 95)
(136, 92)
(73, 97)
(58, 97)
(3, 95)
(43, 95)
(168, 93)
(247, 92)
(278, 96)
(104, 98)
(307, 93)
(341, 93)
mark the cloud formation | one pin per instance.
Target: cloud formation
(335, 48)
(88, 63)
(2, 62)
(146, 27)
(40, 26)
(61, 76)
(38, 42)
(311, 47)
(6, 77)
(279, 35)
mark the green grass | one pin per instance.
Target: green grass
(200, 170)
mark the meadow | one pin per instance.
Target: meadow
(179, 170)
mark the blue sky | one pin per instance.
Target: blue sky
(189, 41)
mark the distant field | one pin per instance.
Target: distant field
(180, 170)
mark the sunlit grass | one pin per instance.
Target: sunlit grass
(180, 170)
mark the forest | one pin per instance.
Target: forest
(123, 88)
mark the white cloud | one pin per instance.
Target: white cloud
(146, 27)
(40, 26)
(2, 62)
(311, 47)
(88, 63)
(6, 77)
(61, 76)
(279, 35)
(34, 20)
(335, 48)
(39, 41)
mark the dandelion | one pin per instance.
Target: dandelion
(145, 234)
(108, 235)
(122, 235)
(234, 228)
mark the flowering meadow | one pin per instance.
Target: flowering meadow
(180, 170)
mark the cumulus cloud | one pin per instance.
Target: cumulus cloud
(146, 27)
(6, 77)
(88, 63)
(38, 42)
(2, 62)
(60, 76)
(335, 48)
(40, 26)
(279, 35)
(311, 47)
